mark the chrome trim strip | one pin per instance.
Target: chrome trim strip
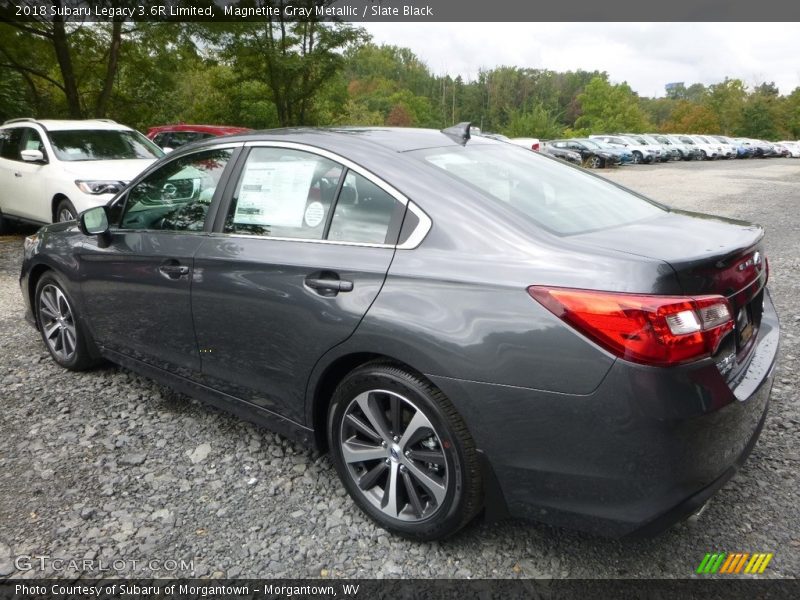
(304, 240)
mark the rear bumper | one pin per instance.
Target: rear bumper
(647, 448)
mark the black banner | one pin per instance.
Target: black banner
(731, 588)
(400, 10)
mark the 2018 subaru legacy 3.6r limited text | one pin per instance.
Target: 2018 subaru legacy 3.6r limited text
(465, 325)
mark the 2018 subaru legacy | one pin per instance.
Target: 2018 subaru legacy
(465, 325)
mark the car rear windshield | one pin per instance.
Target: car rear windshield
(102, 144)
(562, 199)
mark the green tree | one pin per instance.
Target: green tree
(535, 122)
(760, 117)
(295, 59)
(726, 100)
(610, 108)
(791, 114)
(690, 117)
(80, 60)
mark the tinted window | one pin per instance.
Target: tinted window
(177, 196)
(556, 197)
(284, 193)
(181, 138)
(161, 139)
(363, 212)
(102, 144)
(31, 140)
(10, 140)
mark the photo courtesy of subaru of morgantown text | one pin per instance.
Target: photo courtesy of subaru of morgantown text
(467, 326)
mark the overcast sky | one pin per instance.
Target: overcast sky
(646, 55)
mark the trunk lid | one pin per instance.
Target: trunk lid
(710, 255)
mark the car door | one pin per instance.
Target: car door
(23, 182)
(301, 254)
(136, 284)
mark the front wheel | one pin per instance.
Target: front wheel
(62, 331)
(403, 453)
(65, 211)
(595, 162)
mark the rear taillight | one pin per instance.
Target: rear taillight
(653, 330)
(535, 146)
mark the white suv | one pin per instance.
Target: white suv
(52, 170)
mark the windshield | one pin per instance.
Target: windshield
(102, 144)
(590, 143)
(559, 198)
(606, 145)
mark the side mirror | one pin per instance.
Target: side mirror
(34, 156)
(94, 221)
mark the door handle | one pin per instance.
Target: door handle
(173, 270)
(17, 174)
(328, 283)
(334, 285)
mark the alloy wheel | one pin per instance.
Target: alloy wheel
(65, 214)
(395, 455)
(57, 323)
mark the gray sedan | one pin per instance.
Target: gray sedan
(465, 325)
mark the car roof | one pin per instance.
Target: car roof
(213, 129)
(70, 124)
(342, 139)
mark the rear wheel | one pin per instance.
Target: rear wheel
(61, 328)
(403, 452)
(65, 211)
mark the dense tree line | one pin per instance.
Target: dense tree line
(281, 73)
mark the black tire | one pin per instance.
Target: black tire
(5, 225)
(595, 162)
(64, 207)
(427, 452)
(61, 327)
(703, 155)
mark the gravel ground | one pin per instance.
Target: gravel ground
(109, 465)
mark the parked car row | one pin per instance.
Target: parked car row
(607, 150)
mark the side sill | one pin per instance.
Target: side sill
(231, 404)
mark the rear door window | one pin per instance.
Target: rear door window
(284, 193)
(294, 194)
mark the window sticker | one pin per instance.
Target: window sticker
(274, 193)
(315, 212)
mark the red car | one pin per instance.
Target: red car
(174, 136)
